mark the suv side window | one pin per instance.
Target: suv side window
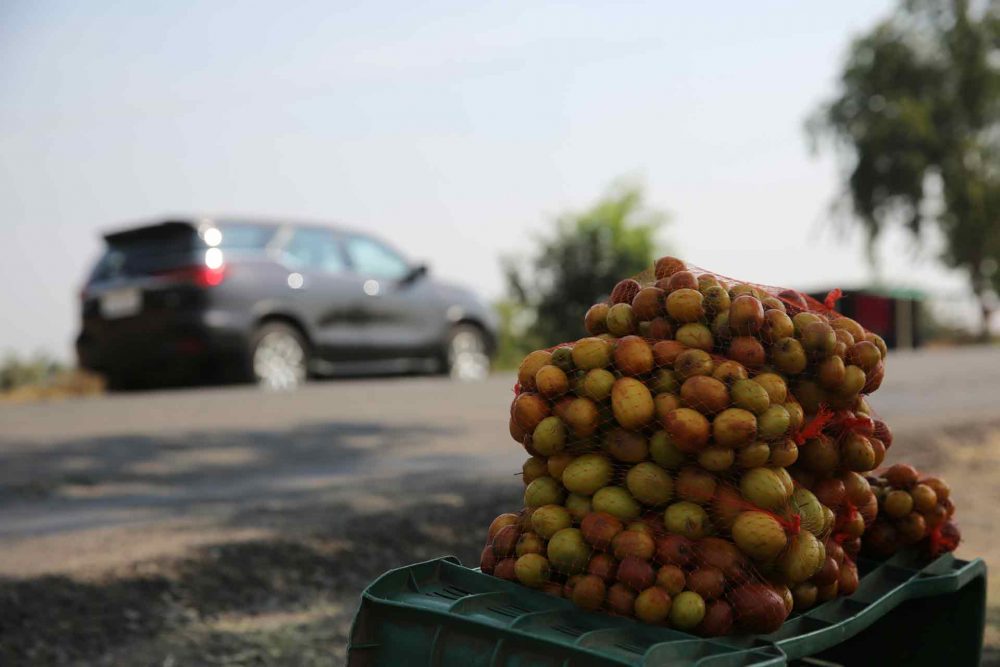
(374, 260)
(314, 249)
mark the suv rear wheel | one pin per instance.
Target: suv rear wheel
(466, 354)
(279, 356)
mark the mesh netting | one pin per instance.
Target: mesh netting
(700, 459)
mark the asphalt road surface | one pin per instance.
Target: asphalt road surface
(154, 473)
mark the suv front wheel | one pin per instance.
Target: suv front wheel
(279, 357)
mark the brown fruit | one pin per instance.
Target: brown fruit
(721, 554)
(625, 291)
(621, 599)
(718, 619)
(649, 484)
(652, 605)
(716, 459)
(633, 543)
(636, 573)
(660, 328)
(854, 381)
(804, 595)
(688, 429)
(528, 410)
(648, 303)
(674, 549)
(589, 592)
(664, 404)
(728, 372)
(789, 356)
(500, 522)
(600, 528)
(848, 581)
(818, 339)
(747, 351)
(856, 487)
(663, 381)
(595, 321)
(557, 464)
(529, 366)
(706, 581)
(551, 381)
(604, 566)
(621, 320)
(487, 559)
(716, 299)
(633, 356)
(505, 541)
(727, 505)
(671, 579)
(665, 352)
(784, 453)
(857, 453)
(690, 363)
(754, 455)
(695, 485)
(793, 299)
(505, 569)
(682, 280)
(777, 325)
(830, 492)
(668, 266)
(830, 373)
(705, 394)
(530, 543)
(757, 608)
(901, 476)
(819, 455)
(828, 572)
(582, 417)
(746, 315)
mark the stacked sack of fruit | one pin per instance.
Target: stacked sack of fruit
(699, 460)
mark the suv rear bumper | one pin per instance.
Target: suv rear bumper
(142, 344)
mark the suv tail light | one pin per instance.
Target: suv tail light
(199, 275)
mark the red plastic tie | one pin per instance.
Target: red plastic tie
(517, 388)
(815, 426)
(832, 297)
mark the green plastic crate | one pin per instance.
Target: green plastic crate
(440, 613)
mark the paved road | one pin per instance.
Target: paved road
(78, 474)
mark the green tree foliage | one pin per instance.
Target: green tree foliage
(918, 113)
(577, 265)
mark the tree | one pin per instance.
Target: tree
(917, 122)
(579, 264)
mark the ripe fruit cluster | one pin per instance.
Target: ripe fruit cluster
(698, 460)
(913, 511)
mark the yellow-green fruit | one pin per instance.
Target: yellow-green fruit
(695, 335)
(774, 384)
(788, 356)
(786, 479)
(687, 610)
(591, 353)
(810, 511)
(750, 395)
(578, 506)
(632, 403)
(734, 427)
(764, 488)
(773, 423)
(687, 519)
(621, 320)
(854, 381)
(801, 320)
(586, 474)
(803, 557)
(543, 491)
(665, 452)
(753, 455)
(548, 520)
(716, 299)
(759, 535)
(549, 437)
(649, 484)
(686, 305)
(716, 459)
(693, 362)
(529, 543)
(617, 502)
(562, 358)
(597, 383)
(663, 382)
(567, 552)
(532, 570)
(533, 468)
(795, 414)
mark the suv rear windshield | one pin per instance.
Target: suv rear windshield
(147, 250)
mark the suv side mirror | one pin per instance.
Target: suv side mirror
(416, 273)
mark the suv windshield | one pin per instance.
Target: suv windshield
(245, 236)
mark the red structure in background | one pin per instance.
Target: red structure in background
(893, 315)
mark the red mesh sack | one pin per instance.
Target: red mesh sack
(914, 511)
(699, 459)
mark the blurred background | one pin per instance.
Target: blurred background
(436, 191)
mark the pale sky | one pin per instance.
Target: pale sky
(454, 130)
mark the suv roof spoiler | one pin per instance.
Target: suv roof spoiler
(165, 228)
